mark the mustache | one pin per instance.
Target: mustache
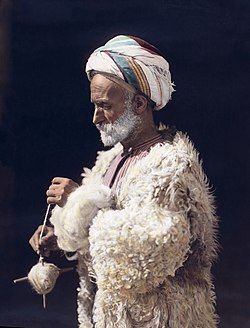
(103, 126)
(100, 126)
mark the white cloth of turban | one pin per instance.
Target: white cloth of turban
(136, 62)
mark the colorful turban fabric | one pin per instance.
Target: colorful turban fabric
(136, 62)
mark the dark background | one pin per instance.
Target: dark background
(47, 130)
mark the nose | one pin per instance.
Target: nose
(98, 116)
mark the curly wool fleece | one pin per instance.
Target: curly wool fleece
(152, 253)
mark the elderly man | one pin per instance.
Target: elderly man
(143, 222)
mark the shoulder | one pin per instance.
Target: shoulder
(178, 160)
(175, 159)
(176, 150)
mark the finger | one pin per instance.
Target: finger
(58, 180)
(36, 237)
(40, 227)
(55, 193)
(52, 192)
(54, 186)
(34, 242)
(54, 200)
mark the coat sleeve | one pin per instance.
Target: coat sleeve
(71, 222)
(136, 248)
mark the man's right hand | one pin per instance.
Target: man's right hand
(59, 190)
(48, 242)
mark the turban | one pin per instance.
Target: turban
(136, 63)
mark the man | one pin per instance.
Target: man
(142, 223)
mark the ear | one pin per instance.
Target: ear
(141, 104)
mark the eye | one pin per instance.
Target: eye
(102, 105)
(106, 106)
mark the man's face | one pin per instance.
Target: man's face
(114, 115)
(108, 99)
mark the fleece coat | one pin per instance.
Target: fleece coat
(145, 252)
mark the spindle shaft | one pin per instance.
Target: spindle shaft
(44, 301)
(20, 279)
(65, 270)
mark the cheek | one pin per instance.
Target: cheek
(111, 116)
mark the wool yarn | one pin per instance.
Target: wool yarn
(43, 276)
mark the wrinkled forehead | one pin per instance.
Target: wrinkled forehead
(102, 87)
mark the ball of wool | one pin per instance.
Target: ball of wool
(43, 276)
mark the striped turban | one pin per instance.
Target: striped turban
(135, 63)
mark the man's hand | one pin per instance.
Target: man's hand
(48, 242)
(59, 190)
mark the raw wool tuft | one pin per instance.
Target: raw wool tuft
(71, 223)
(43, 276)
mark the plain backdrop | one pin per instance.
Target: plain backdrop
(48, 128)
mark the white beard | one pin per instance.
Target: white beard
(124, 127)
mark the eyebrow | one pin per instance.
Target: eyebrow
(104, 100)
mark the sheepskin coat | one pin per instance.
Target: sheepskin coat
(145, 252)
